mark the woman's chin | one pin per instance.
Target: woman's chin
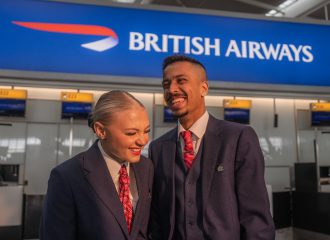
(134, 159)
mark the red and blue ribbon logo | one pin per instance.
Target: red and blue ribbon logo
(100, 46)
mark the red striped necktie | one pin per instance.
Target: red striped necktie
(124, 196)
(188, 151)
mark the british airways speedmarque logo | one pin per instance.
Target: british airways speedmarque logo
(100, 46)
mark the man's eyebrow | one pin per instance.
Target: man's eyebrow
(177, 76)
(180, 75)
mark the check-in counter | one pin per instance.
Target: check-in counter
(11, 205)
(311, 201)
(11, 209)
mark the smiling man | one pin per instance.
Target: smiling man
(209, 173)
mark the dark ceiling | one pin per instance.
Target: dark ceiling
(320, 13)
(234, 6)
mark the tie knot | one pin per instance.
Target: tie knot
(123, 170)
(186, 135)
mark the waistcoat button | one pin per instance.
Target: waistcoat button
(190, 203)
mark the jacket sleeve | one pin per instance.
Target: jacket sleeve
(155, 231)
(58, 219)
(253, 203)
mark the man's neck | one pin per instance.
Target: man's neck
(188, 120)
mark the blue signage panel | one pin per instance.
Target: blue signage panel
(237, 115)
(76, 110)
(12, 108)
(86, 39)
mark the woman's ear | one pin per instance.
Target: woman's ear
(99, 130)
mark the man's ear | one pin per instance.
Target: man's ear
(205, 88)
(99, 130)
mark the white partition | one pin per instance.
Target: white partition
(278, 178)
(270, 197)
(40, 156)
(82, 139)
(11, 206)
(12, 142)
(278, 144)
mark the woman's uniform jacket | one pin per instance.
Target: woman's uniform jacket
(82, 201)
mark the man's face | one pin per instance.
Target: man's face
(184, 87)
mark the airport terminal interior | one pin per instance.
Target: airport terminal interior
(42, 126)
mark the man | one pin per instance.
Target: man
(209, 173)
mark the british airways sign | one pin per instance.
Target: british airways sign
(89, 39)
(100, 46)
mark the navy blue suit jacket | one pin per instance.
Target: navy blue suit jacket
(234, 196)
(82, 201)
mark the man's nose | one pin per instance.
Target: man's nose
(173, 88)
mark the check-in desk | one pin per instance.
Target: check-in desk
(11, 209)
(310, 206)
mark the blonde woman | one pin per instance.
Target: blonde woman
(105, 192)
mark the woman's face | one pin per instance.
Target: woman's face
(124, 138)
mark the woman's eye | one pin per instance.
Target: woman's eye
(147, 131)
(130, 134)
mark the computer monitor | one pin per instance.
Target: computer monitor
(168, 115)
(12, 108)
(237, 115)
(320, 119)
(76, 110)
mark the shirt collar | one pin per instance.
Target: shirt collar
(198, 128)
(113, 165)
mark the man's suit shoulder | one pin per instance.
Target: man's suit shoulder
(232, 126)
(164, 137)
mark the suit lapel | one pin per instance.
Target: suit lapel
(211, 149)
(143, 190)
(168, 161)
(97, 174)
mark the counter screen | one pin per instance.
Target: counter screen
(237, 115)
(321, 119)
(76, 110)
(168, 115)
(12, 108)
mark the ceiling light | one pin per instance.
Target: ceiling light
(277, 11)
(272, 12)
(124, 1)
(286, 4)
(279, 14)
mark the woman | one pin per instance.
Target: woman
(105, 192)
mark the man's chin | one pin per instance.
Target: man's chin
(180, 114)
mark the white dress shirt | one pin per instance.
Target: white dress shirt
(114, 168)
(198, 130)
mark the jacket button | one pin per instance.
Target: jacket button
(190, 223)
(190, 203)
(189, 183)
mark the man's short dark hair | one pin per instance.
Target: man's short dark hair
(180, 58)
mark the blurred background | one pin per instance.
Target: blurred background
(267, 63)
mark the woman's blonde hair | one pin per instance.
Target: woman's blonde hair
(109, 103)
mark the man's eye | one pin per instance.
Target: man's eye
(181, 80)
(165, 86)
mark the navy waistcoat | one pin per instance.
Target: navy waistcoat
(188, 197)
